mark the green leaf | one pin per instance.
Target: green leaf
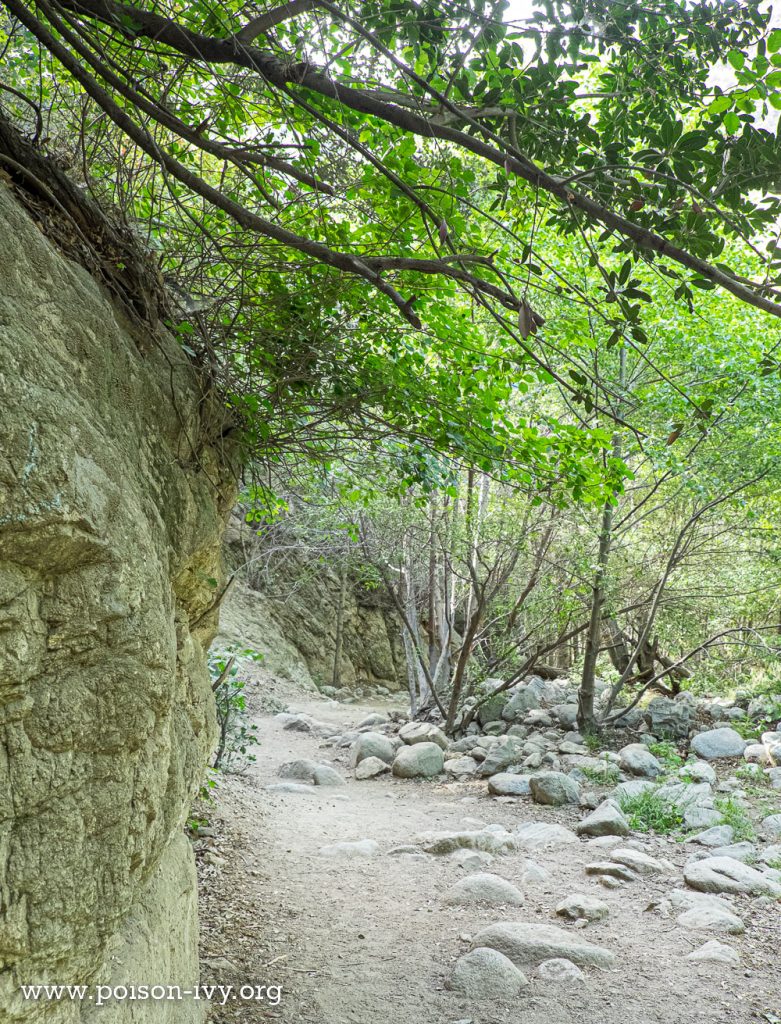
(732, 122)
(736, 59)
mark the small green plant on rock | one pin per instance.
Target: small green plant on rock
(650, 812)
(734, 814)
(666, 752)
(605, 774)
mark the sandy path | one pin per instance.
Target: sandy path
(368, 941)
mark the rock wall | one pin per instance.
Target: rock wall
(292, 621)
(112, 509)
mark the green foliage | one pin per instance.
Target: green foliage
(236, 737)
(607, 774)
(667, 753)
(734, 814)
(649, 812)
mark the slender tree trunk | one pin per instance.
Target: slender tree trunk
(586, 715)
(337, 672)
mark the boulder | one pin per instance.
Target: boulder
(538, 835)
(507, 784)
(723, 874)
(580, 906)
(637, 759)
(486, 975)
(716, 952)
(718, 743)
(372, 744)
(370, 768)
(461, 767)
(419, 761)
(527, 943)
(698, 771)
(502, 756)
(669, 719)
(423, 732)
(606, 820)
(554, 789)
(560, 972)
(484, 888)
(771, 826)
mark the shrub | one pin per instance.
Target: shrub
(236, 737)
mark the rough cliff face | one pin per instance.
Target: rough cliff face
(294, 617)
(112, 507)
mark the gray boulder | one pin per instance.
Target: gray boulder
(582, 907)
(554, 789)
(526, 943)
(423, 732)
(715, 952)
(419, 761)
(461, 767)
(718, 743)
(606, 820)
(771, 826)
(503, 755)
(484, 888)
(707, 918)
(508, 784)
(560, 972)
(486, 975)
(637, 759)
(372, 744)
(669, 719)
(539, 835)
(723, 874)
(370, 768)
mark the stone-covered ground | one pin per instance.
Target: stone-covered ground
(378, 872)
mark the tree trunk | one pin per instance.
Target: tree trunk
(336, 677)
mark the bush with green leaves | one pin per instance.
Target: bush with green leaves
(236, 735)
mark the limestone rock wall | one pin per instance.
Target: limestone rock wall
(112, 508)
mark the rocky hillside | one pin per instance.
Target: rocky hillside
(292, 616)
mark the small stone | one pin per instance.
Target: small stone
(711, 919)
(533, 835)
(581, 906)
(471, 860)
(771, 825)
(716, 952)
(560, 972)
(370, 768)
(611, 870)
(350, 850)
(638, 861)
(719, 835)
(698, 771)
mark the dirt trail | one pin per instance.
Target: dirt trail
(365, 941)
